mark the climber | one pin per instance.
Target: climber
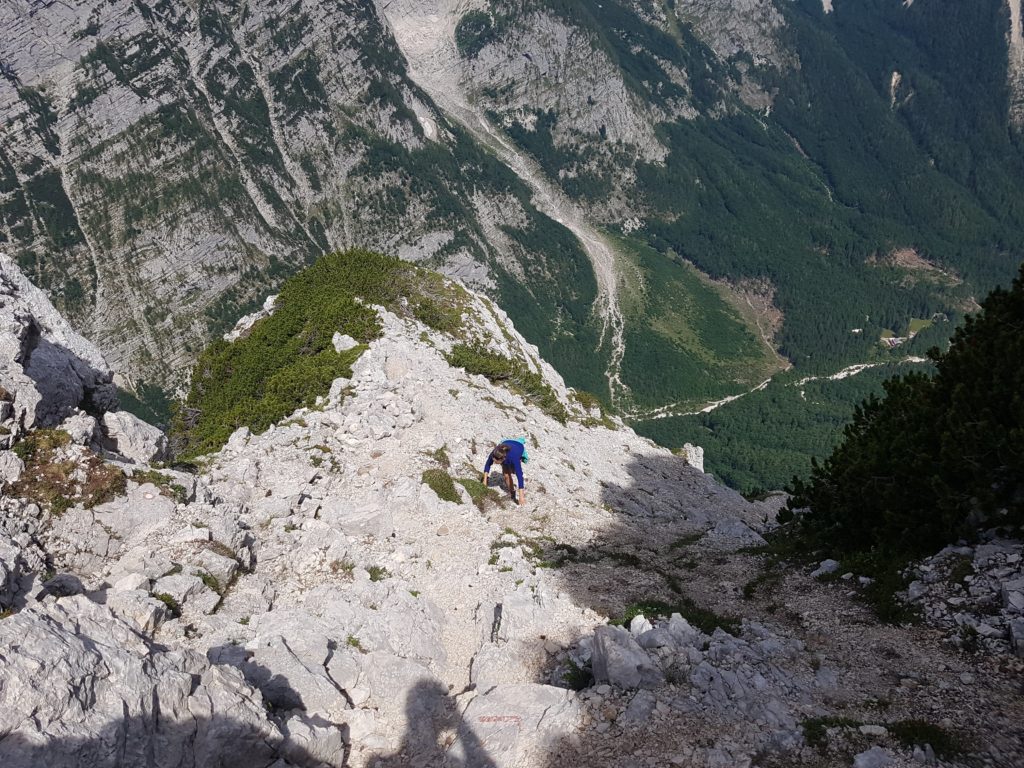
(510, 454)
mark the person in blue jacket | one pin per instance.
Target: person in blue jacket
(510, 454)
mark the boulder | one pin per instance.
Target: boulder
(343, 342)
(81, 427)
(133, 438)
(512, 723)
(876, 757)
(825, 567)
(621, 662)
(1013, 595)
(639, 709)
(11, 468)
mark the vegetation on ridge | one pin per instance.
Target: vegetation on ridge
(288, 360)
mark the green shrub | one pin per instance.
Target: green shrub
(441, 483)
(514, 374)
(705, 620)
(913, 733)
(474, 31)
(170, 602)
(210, 581)
(378, 572)
(288, 359)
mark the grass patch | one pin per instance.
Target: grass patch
(576, 677)
(687, 540)
(378, 573)
(210, 581)
(768, 578)
(440, 456)
(909, 733)
(704, 619)
(513, 374)
(963, 566)
(57, 481)
(344, 567)
(170, 602)
(480, 494)
(165, 483)
(288, 359)
(816, 729)
(441, 483)
(353, 642)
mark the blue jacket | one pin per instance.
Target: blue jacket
(514, 459)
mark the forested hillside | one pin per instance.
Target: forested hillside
(937, 457)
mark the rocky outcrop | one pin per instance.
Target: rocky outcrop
(975, 593)
(164, 164)
(47, 370)
(82, 687)
(133, 438)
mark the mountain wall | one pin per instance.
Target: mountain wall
(165, 164)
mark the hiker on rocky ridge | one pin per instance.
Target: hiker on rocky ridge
(510, 454)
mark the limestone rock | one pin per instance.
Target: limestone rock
(133, 438)
(512, 723)
(876, 757)
(81, 427)
(694, 456)
(11, 468)
(137, 694)
(620, 661)
(48, 368)
(245, 324)
(343, 342)
(825, 567)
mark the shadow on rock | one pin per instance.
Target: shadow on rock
(669, 519)
(164, 740)
(436, 733)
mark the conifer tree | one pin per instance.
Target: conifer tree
(935, 458)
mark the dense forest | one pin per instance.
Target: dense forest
(936, 458)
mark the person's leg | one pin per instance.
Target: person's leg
(510, 482)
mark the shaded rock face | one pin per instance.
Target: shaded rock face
(82, 687)
(47, 370)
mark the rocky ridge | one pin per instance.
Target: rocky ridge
(308, 598)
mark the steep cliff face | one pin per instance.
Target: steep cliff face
(590, 165)
(164, 163)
